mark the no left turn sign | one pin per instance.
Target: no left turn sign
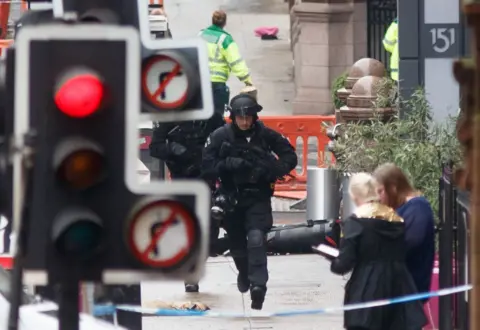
(165, 83)
(162, 234)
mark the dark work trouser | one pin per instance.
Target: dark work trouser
(221, 97)
(247, 227)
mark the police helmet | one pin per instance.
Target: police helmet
(244, 105)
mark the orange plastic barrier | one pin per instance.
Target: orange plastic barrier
(305, 133)
(5, 44)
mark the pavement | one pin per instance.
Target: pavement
(270, 61)
(297, 282)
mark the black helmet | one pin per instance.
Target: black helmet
(244, 105)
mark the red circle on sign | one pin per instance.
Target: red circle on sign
(153, 98)
(176, 208)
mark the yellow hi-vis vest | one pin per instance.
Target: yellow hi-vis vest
(224, 56)
(390, 43)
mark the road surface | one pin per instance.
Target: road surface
(270, 61)
(296, 283)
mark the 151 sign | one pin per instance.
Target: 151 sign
(441, 40)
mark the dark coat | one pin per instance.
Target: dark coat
(262, 137)
(374, 247)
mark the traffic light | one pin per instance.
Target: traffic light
(77, 86)
(115, 12)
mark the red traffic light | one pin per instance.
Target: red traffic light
(80, 95)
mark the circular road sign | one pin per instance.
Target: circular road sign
(162, 234)
(165, 82)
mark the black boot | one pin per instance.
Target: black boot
(191, 288)
(257, 294)
(243, 283)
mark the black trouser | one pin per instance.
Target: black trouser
(221, 97)
(246, 228)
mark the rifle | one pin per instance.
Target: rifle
(253, 154)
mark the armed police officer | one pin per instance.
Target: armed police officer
(180, 146)
(242, 156)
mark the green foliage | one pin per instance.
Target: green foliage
(338, 83)
(415, 143)
(386, 89)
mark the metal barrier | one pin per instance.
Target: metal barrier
(380, 14)
(454, 254)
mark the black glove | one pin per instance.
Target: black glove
(177, 149)
(235, 163)
(258, 172)
(225, 149)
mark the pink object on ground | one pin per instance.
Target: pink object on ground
(261, 31)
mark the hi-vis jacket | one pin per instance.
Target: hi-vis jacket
(390, 42)
(224, 56)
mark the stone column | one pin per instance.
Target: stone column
(323, 48)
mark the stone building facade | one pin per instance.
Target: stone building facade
(327, 37)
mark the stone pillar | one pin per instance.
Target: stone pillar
(323, 48)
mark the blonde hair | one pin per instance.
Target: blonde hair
(363, 186)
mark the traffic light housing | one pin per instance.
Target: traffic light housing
(77, 87)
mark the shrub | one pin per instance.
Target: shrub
(338, 83)
(414, 142)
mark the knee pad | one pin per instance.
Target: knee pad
(255, 238)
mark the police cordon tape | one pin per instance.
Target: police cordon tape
(104, 310)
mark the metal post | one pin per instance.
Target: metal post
(68, 305)
(322, 194)
(446, 252)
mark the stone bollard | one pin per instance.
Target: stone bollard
(362, 68)
(361, 101)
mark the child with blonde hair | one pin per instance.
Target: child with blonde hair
(363, 189)
(373, 248)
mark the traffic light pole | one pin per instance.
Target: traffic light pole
(68, 305)
(22, 239)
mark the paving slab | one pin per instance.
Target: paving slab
(297, 282)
